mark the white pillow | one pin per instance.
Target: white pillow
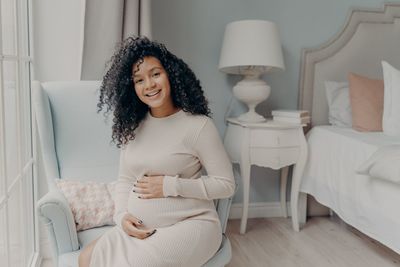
(337, 94)
(383, 164)
(391, 100)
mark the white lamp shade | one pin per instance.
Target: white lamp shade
(251, 43)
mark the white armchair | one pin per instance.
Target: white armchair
(75, 144)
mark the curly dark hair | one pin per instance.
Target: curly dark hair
(117, 91)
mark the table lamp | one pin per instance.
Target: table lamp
(251, 48)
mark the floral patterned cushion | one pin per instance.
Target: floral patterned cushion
(91, 203)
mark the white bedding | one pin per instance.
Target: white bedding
(368, 204)
(383, 164)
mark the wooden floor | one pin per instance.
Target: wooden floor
(323, 242)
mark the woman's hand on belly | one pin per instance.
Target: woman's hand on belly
(130, 226)
(149, 187)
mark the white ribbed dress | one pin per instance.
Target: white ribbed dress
(188, 228)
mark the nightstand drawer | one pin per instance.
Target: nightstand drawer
(274, 158)
(274, 138)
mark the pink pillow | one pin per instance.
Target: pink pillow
(366, 98)
(91, 202)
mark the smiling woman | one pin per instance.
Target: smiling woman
(164, 209)
(118, 91)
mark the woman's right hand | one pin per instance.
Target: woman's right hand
(130, 224)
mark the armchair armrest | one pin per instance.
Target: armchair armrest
(223, 208)
(54, 210)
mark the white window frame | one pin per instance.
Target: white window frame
(26, 167)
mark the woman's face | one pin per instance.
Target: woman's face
(152, 86)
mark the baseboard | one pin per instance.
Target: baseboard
(259, 210)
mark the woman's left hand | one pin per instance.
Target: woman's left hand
(149, 187)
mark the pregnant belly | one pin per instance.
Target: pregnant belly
(160, 212)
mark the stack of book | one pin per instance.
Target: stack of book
(291, 116)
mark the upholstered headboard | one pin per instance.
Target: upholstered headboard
(367, 38)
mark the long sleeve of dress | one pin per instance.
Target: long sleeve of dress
(219, 181)
(124, 184)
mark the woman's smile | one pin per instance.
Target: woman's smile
(153, 93)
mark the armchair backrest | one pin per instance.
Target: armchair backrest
(74, 138)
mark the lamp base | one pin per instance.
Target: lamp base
(251, 116)
(251, 91)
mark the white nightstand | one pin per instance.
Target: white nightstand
(272, 144)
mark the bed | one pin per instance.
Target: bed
(336, 153)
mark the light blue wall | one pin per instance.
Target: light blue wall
(193, 29)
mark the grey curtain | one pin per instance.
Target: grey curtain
(107, 23)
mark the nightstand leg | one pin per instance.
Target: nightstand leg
(284, 175)
(245, 173)
(298, 200)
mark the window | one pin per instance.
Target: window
(18, 245)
